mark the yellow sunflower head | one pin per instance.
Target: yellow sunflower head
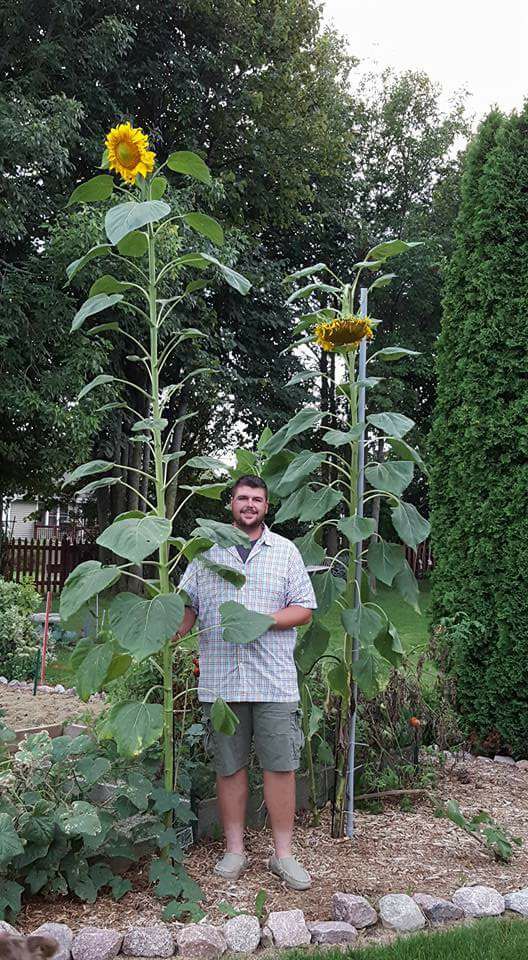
(128, 152)
(343, 333)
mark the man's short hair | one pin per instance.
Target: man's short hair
(250, 481)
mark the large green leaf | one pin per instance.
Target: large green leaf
(382, 281)
(409, 524)
(10, 843)
(90, 488)
(312, 552)
(224, 534)
(83, 583)
(126, 217)
(94, 305)
(306, 272)
(223, 718)
(339, 680)
(306, 291)
(393, 424)
(369, 672)
(232, 277)
(385, 560)
(229, 574)
(135, 244)
(304, 420)
(108, 284)
(405, 452)
(135, 539)
(394, 475)
(240, 625)
(327, 589)
(38, 825)
(407, 586)
(311, 647)
(193, 547)
(392, 248)
(389, 645)
(81, 819)
(96, 382)
(100, 250)
(213, 491)
(356, 529)
(158, 187)
(93, 669)
(135, 726)
(206, 463)
(395, 353)
(363, 623)
(274, 468)
(308, 505)
(98, 188)
(86, 470)
(142, 626)
(206, 226)
(190, 164)
(302, 466)
(303, 376)
(93, 769)
(338, 438)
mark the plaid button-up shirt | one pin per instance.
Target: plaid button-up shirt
(263, 669)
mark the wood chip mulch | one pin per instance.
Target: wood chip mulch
(392, 852)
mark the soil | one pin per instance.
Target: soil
(392, 852)
(21, 709)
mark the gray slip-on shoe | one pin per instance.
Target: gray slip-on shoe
(291, 871)
(232, 866)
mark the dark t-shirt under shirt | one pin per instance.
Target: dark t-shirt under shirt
(245, 551)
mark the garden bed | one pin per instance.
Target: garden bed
(392, 852)
(21, 709)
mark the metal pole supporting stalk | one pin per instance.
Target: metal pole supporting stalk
(362, 370)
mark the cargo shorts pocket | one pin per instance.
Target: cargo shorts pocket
(297, 735)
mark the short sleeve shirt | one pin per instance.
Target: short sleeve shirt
(263, 669)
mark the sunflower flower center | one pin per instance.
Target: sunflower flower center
(128, 154)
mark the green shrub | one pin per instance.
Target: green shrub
(480, 439)
(19, 637)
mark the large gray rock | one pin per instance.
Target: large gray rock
(155, 941)
(518, 901)
(521, 764)
(436, 909)
(96, 943)
(479, 901)
(201, 940)
(399, 912)
(288, 928)
(507, 761)
(332, 931)
(353, 909)
(242, 934)
(59, 932)
(6, 927)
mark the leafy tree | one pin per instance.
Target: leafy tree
(480, 439)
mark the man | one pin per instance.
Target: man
(257, 679)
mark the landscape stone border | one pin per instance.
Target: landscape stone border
(45, 688)
(283, 929)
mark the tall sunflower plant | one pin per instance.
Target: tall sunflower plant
(369, 646)
(143, 625)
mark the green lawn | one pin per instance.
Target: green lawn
(484, 940)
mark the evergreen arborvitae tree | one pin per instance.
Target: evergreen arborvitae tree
(480, 438)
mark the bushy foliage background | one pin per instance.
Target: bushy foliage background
(480, 435)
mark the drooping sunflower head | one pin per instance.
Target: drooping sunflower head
(128, 152)
(343, 333)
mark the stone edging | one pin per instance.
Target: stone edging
(45, 688)
(284, 929)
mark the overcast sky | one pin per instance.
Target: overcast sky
(480, 45)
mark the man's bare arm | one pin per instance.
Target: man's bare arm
(293, 616)
(188, 622)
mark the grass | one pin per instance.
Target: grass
(483, 940)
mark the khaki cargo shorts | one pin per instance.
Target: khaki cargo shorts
(275, 728)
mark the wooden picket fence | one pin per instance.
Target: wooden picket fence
(47, 562)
